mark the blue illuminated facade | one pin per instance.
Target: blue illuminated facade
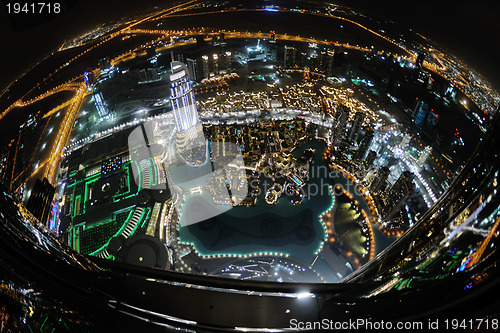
(182, 98)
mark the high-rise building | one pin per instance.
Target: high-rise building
(405, 141)
(191, 63)
(420, 60)
(190, 140)
(359, 118)
(206, 70)
(365, 144)
(302, 60)
(148, 75)
(228, 61)
(40, 199)
(255, 53)
(89, 78)
(289, 58)
(272, 39)
(370, 158)
(342, 114)
(179, 57)
(216, 63)
(7, 162)
(182, 97)
(215, 39)
(423, 157)
(432, 120)
(319, 62)
(380, 180)
(104, 64)
(420, 112)
(421, 116)
(100, 104)
(329, 62)
(399, 193)
(153, 74)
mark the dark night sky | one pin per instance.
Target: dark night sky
(470, 30)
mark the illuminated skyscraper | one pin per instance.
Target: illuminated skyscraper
(370, 158)
(399, 193)
(379, 182)
(190, 140)
(359, 118)
(206, 72)
(216, 63)
(405, 141)
(100, 104)
(40, 199)
(228, 61)
(104, 64)
(89, 78)
(182, 98)
(329, 62)
(365, 144)
(289, 60)
(192, 69)
(342, 117)
(423, 157)
(420, 112)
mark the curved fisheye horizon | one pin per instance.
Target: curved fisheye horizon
(467, 31)
(304, 158)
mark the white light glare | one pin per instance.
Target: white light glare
(304, 295)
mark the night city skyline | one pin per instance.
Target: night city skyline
(307, 159)
(462, 27)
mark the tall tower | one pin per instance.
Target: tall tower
(342, 117)
(182, 98)
(379, 182)
(100, 104)
(272, 39)
(329, 62)
(399, 193)
(190, 140)
(289, 60)
(423, 157)
(216, 63)
(359, 118)
(228, 61)
(193, 75)
(405, 142)
(206, 71)
(370, 158)
(365, 144)
(420, 113)
(40, 199)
